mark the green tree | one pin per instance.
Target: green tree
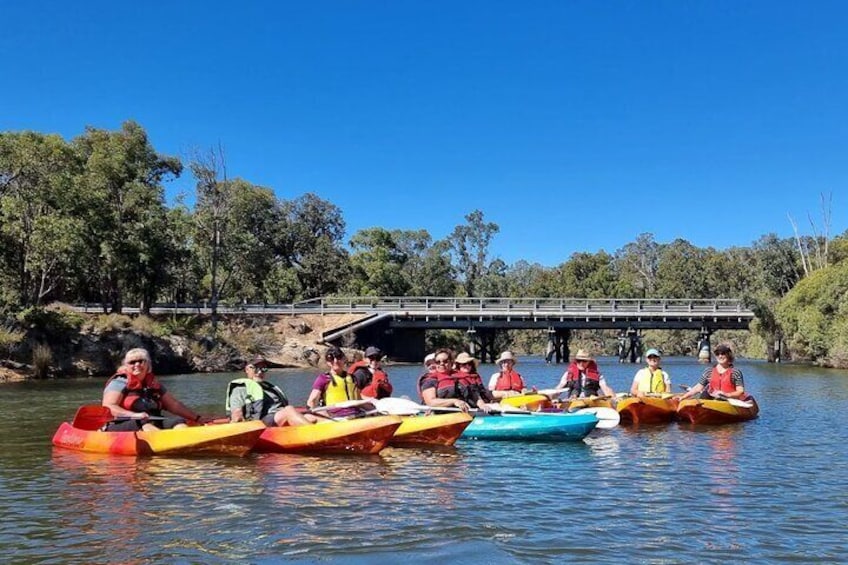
(121, 188)
(40, 217)
(377, 264)
(470, 243)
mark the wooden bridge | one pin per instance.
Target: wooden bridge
(397, 324)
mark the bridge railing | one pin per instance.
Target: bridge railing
(444, 305)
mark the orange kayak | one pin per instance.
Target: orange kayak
(430, 429)
(358, 435)
(215, 439)
(647, 410)
(700, 411)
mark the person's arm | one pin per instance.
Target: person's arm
(605, 388)
(171, 404)
(112, 400)
(237, 399)
(736, 377)
(563, 381)
(430, 399)
(634, 388)
(692, 391)
(667, 381)
(493, 381)
(314, 398)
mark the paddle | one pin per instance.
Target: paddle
(732, 401)
(607, 417)
(95, 416)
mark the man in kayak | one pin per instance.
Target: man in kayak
(133, 395)
(461, 388)
(254, 398)
(650, 379)
(582, 378)
(723, 380)
(371, 379)
(506, 382)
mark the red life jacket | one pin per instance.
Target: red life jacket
(593, 379)
(509, 380)
(722, 382)
(146, 389)
(450, 384)
(379, 387)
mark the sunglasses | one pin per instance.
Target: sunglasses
(137, 362)
(260, 369)
(442, 361)
(332, 358)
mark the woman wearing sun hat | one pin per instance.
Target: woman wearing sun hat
(461, 387)
(582, 378)
(650, 379)
(506, 382)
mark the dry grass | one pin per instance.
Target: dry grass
(42, 357)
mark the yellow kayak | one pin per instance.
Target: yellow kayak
(214, 439)
(569, 404)
(358, 435)
(658, 409)
(701, 411)
(430, 429)
(531, 402)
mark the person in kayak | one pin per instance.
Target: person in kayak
(461, 387)
(506, 382)
(334, 386)
(134, 393)
(650, 379)
(722, 380)
(254, 398)
(371, 379)
(582, 378)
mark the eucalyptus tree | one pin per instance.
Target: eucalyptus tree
(679, 271)
(636, 266)
(310, 246)
(40, 220)
(586, 275)
(121, 189)
(428, 267)
(377, 264)
(470, 243)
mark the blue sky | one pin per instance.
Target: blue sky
(575, 126)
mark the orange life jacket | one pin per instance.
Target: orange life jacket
(722, 382)
(509, 380)
(379, 387)
(139, 395)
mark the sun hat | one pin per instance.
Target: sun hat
(373, 352)
(652, 352)
(430, 357)
(507, 356)
(259, 361)
(465, 358)
(582, 355)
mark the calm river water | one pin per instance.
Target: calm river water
(771, 490)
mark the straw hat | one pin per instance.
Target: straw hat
(582, 355)
(507, 356)
(465, 358)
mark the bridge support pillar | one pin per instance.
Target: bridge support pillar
(481, 344)
(557, 348)
(704, 349)
(629, 346)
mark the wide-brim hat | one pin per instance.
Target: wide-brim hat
(583, 355)
(465, 358)
(506, 356)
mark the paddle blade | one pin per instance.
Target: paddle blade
(607, 417)
(91, 417)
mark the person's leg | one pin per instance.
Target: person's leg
(290, 416)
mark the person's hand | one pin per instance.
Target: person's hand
(140, 415)
(461, 405)
(203, 419)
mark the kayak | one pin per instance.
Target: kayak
(357, 435)
(588, 402)
(647, 410)
(528, 401)
(543, 426)
(430, 429)
(700, 411)
(235, 439)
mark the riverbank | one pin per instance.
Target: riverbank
(93, 345)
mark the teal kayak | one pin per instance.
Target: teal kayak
(544, 426)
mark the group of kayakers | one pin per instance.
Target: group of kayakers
(136, 399)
